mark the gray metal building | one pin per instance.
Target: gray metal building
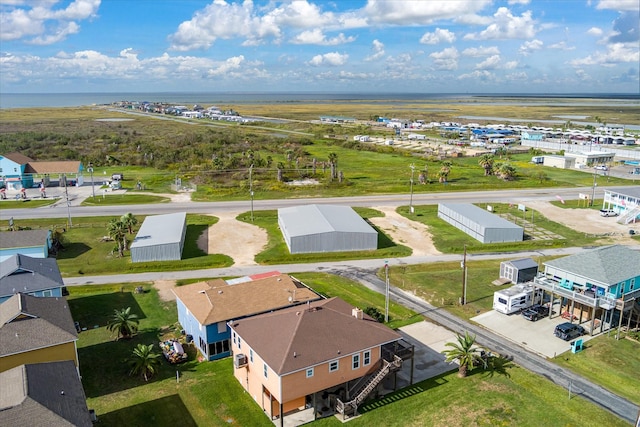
(325, 228)
(160, 238)
(480, 224)
(519, 270)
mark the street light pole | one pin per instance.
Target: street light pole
(413, 168)
(593, 188)
(463, 264)
(386, 293)
(93, 192)
(251, 189)
(66, 194)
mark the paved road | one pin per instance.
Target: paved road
(60, 210)
(554, 373)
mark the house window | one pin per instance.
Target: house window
(239, 343)
(251, 355)
(355, 361)
(47, 293)
(234, 337)
(632, 284)
(367, 358)
(309, 372)
(333, 366)
(222, 327)
(265, 370)
(219, 347)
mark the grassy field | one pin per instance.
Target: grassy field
(124, 199)
(207, 394)
(28, 203)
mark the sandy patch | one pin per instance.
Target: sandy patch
(586, 221)
(239, 240)
(164, 289)
(405, 231)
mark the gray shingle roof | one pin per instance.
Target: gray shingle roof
(28, 323)
(23, 238)
(315, 219)
(523, 263)
(311, 334)
(608, 264)
(43, 394)
(21, 273)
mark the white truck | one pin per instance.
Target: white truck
(516, 298)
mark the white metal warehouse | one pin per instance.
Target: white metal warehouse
(160, 238)
(480, 224)
(325, 228)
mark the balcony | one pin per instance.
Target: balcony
(558, 288)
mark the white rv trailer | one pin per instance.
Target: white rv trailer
(516, 298)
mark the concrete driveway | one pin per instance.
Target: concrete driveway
(534, 336)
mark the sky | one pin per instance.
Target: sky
(340, 46)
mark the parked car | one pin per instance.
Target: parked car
(608, 212)
(602, 167)
(568, 331)
(535, 312)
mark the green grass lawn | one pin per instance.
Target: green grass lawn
(614, 364)
(28, 203)
(207, 394)
(277, 252)
(124, 199)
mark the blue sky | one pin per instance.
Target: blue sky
(424, 46)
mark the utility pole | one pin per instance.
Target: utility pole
(386, 293)
(90, 168)
(413, 169)
(593, 188)
(463, 264)
(66, 195)
(251, 189)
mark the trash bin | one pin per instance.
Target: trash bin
(188, 338)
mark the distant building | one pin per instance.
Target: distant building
(625, 202)
(519, 270)
(562, 162)
(160, 238)
(480, 224)
(19, 170)
(325, 228)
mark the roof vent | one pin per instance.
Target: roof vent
(357, 313)
(295, 354)
(62, 392)
(202, 292)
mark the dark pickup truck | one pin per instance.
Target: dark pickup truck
(535, 312)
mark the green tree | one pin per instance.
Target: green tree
(144, 361)
(445, 170)
(486, 162)
(464, 352)
(118, 232)
(129, 221)
(124, 323)
(333, 163)
(506, 171)
(280, 167)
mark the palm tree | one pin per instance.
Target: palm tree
(443, 174)
(118, 232)
(464, 351)
(280, 167)
(486, 162)
(506, 171)
(129, 221)
(144, 361)
(124, 323)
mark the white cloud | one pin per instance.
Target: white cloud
(507, 26)
(629, 5)
(481, 51)
(519, 76)
(447, 59)
(491, 63)
(333, 59)
(41, 24)
(530, 46)
(616, 53)
(519, 2)
(562, 46)
(438, 36)
(510, 65)
(410, 12)
(480, 75)
(595, 31)
(377, 49)
(316, 36)
(231, 64)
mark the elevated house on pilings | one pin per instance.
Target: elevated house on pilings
(599, 289)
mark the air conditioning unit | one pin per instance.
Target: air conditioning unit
(240, 360)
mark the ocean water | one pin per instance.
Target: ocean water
(29, 100)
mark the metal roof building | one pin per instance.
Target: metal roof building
(160, 238)
(325, 228)
(480, 224)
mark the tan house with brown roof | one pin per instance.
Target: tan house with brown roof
(18, 171)
(204, 308)
(325, 354)
(36, 330)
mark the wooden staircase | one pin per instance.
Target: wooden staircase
(362, 390)
(629, 216)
